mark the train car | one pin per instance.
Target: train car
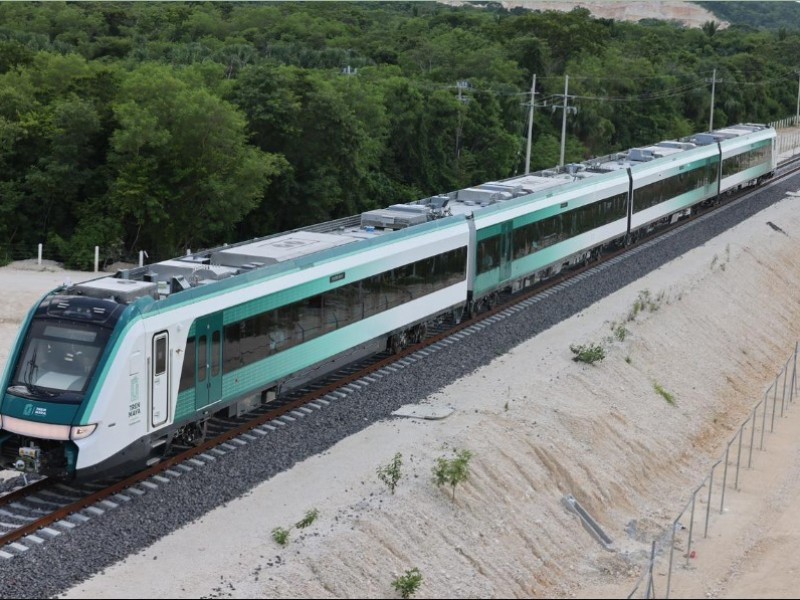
(749, 155)
(107, 374)
(566, 217)
(533, 237)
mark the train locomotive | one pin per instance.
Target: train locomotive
(107, 374)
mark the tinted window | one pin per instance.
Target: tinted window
(265, 334)
(160, 352)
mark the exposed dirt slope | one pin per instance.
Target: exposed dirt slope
(688, 13)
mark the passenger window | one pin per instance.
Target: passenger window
(202, 358)
(215, 353)
(161, 355)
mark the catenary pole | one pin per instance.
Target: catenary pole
(530, 125)
(564, 121)
(797, 115)
(713, 86)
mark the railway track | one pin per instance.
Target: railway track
(46, 509)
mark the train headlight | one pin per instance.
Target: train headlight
(82, 431)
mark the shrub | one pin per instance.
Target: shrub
(408, 583)
(589, 353)
(453, 471)
(310, 517)
(390, 474)
(280, 535)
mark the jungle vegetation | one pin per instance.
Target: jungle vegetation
(166, 126)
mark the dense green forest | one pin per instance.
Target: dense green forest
(775, 15)
(165, 126)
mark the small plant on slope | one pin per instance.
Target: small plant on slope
(310, 517)
(408, 583)
(452, 471)
(390, 473)
(588, 353)
(280, 535)
(664, 394)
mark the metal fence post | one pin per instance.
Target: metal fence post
(774, 400)
(650, 592)
(752, 439)
(691, 529)
(763, 421)
(738, 458)
(671, 552)
(724, 478)
(785, 375)
(793, 387)
(708, 502)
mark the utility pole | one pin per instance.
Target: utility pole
(460, 85)
(797, 115)
(564, 118)
(713, 85)
(530, 125)
(564, 121)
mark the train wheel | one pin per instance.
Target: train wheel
(491, 300)
(194, 434)
(397, 342)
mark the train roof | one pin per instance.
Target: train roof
(308, 245)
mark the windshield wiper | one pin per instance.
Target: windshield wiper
(29, 376)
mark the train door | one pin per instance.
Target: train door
(159, 388)
(506, 247)
(208, 365)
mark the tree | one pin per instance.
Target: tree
(452, 471)
(331, 130)
(710, 28)
(53, 130)
(184, 174)
(390, 473)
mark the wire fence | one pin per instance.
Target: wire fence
(43, 254)
(785, 123)
(12, 252)
(724, 476)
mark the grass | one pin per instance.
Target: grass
(588, 353)
(664, 394)
(310, 517)
(280, 535)
(645, 301)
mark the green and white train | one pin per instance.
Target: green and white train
(106, 374)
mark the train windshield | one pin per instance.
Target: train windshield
(58, 357)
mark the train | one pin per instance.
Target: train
(106, 375)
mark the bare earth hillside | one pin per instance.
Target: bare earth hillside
(687, 13)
